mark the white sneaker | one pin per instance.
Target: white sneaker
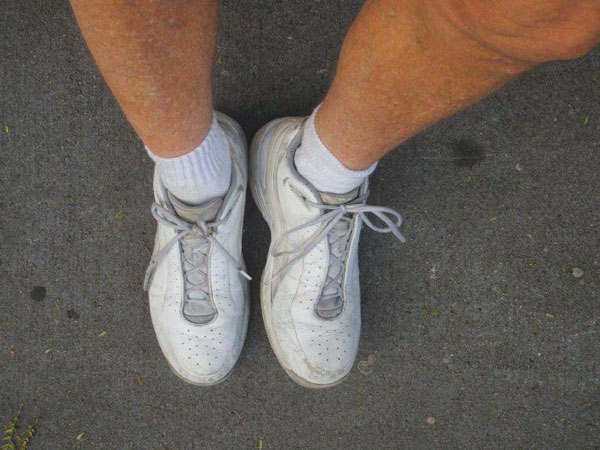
(197, 284)
(310, 294)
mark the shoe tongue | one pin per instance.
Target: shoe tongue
(198, 308)
(339, 199)
(330, 305)
(206, 211)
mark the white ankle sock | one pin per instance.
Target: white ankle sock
(202, 174)
(321, 168)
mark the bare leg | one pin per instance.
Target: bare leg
(156, 57)
(406, 64)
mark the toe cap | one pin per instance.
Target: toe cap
(317, 356)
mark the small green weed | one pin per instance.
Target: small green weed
(12, 439)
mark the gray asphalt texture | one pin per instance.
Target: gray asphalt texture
(477, 322)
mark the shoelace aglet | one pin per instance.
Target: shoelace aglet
(245, 274)
(148, 274)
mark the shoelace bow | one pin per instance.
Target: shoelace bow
(336, 213)
(200, 228)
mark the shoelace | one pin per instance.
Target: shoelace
(199, 228)
(338, 240)
(328, 221)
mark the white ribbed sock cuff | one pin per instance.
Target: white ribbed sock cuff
(202, 174)
(321, 168)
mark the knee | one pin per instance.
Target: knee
(529, 30)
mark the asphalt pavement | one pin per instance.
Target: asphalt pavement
(481, 332)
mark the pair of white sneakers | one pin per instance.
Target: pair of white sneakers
(310, 295)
